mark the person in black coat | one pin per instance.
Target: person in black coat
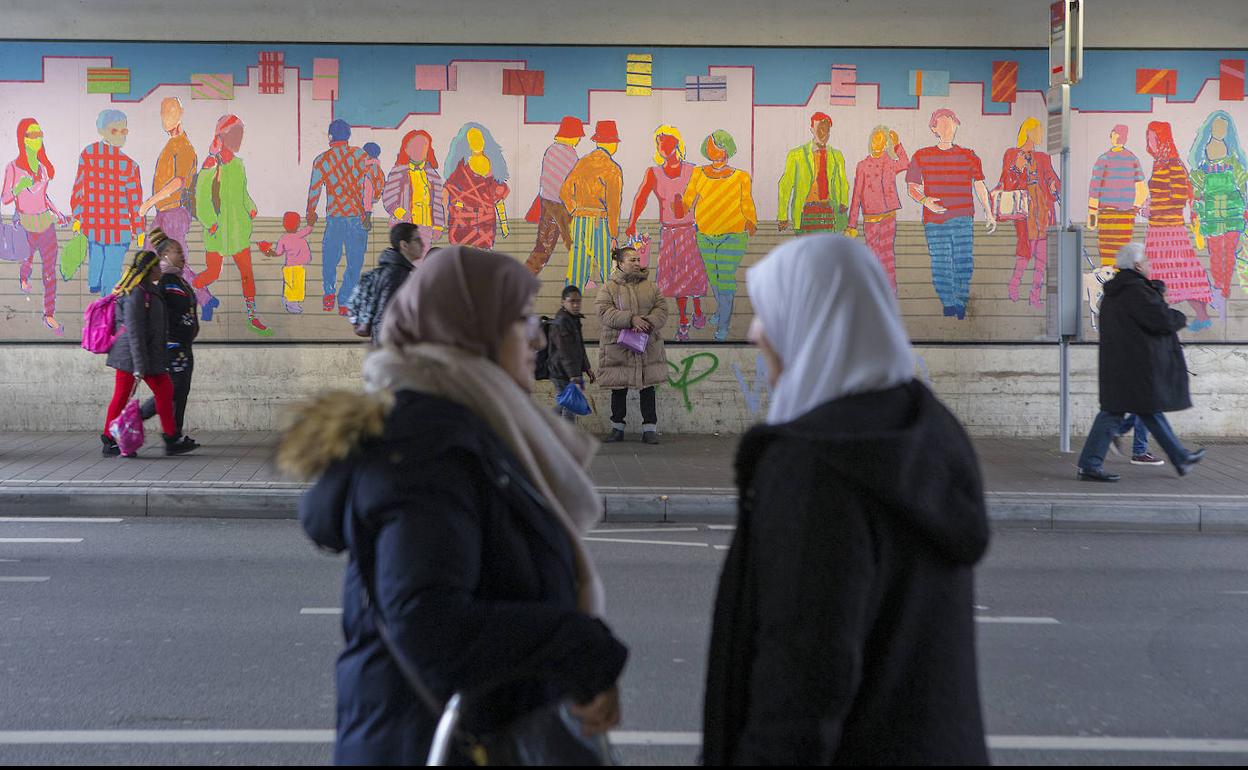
(1141, 366)
(844, 630)
(139, 352)
(394, 266)
(568, 361)
(461, 506)
(182, 327)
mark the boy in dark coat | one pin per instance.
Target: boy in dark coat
(568, 360)
(1142, 369)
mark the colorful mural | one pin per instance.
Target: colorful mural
(156, 136)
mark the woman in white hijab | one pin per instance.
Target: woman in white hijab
(844, 630)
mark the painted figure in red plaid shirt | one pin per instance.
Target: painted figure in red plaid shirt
(106, 199)
(342, 170)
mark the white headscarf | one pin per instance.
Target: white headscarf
(829, 312)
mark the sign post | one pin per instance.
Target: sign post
(1065, 69)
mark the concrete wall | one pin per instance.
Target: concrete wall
(995, 390)
(1110, 23)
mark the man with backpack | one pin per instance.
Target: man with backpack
(565, 357)
(369, 299)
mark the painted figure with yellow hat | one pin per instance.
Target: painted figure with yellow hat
(592, 194)
(476, 190)
(548, 212)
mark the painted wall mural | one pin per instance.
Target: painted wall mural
(280, 164)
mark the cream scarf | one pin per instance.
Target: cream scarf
(555, 454)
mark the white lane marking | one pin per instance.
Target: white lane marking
(650, 531)
(645, 542)
(62, 737)
(727, 527)
(620, 737)
(10, 561)
(10, 579)
(1234, 593)
(57, 520)
(40, 540)
(722, 547)
(1110, 743)
(321, 611)
(1019, 620)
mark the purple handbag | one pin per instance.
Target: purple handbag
(634, 340)
(127, 429)
(14, 247)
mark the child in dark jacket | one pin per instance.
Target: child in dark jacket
(568, 360)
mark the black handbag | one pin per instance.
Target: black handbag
(548, 735)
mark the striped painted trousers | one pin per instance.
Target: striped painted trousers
(590, 257)
(950, 245)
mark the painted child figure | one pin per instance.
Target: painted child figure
(372, 166)
(294, 246)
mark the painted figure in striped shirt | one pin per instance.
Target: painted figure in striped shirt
(1219, 173)
(26, 187)
(946, 180)
(414, 189)
(723, 209)
(553, 221)
(1168, 243)
(476, 189)
(1030, 171)
(681, 273)
(106, 199)
(1115, 194)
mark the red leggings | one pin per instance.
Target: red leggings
(213, 271)
(162, 387)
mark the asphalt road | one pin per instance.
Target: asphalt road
(146, 641)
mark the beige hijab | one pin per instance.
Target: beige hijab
(440, 336)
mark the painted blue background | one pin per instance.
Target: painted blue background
(377, 81)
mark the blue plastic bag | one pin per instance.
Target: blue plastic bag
(572, 399)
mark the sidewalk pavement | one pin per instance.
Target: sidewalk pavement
(685, 478)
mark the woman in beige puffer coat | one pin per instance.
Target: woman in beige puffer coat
(630, 301)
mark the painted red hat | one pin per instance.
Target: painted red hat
(605, 132)
(570, 128)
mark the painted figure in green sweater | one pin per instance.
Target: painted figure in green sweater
(225, 209)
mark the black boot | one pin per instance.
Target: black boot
(178, 445)
(110, 445)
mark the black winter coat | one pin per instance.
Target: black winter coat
(568, 359)
(475, 580)
(142, 344)
(1142, 369)
(844, 630)
(369, 301)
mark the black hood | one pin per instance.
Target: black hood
(1128, 279)
(904, 448)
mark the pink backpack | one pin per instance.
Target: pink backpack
(99, 330)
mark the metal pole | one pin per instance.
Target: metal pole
(1063, 255)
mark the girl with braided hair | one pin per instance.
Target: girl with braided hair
(139, 351)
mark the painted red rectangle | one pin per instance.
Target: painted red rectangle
(272, 72)
(1156, 82)
(1231, 80)
(524, 82)
(1005, 81)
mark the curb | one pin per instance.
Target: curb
(1225, 514)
